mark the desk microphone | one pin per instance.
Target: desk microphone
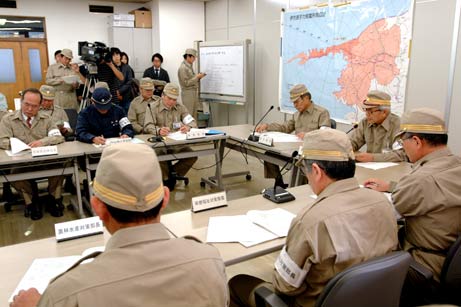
(278, 194)
(254, 137)
(156, 138)
(354, 126)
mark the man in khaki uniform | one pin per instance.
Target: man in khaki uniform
(138, 106)
(318, 245)
(57, 114)
(377, 130)
(170, 116)
(66, 96)
(429, 196)
(309, 117)
(189, 82)
(35, 129)
(141, 265)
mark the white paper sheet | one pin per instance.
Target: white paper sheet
(277, 220)
(71, 79)
(376, 165)
(177, 136)
(17, 145)
(280, 137)
(236, 228)
(41, 271)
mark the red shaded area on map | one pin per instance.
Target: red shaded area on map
(370, 56)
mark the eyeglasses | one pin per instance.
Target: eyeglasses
(31, 106)
(368, 111)
(400, 141)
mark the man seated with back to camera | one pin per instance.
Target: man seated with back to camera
(141, 265)
(318, 242)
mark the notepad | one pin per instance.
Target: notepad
(280, 137)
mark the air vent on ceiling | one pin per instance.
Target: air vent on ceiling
(101, 9)
(11, 4)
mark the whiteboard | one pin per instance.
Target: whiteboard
(224, 65)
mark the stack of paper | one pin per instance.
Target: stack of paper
(177, 136)
(253, 228)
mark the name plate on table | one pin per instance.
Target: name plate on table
(112, 141)
(44, 151)
(195, 134)
(266, 140)
(209, 201)
(78, 228)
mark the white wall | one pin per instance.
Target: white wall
(69, 21)
(181, 23)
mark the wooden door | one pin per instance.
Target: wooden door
(22, 65)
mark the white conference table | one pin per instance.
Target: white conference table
(16, 259)
(27, 167)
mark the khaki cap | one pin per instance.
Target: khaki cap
(48, 92)
(67, 53)
(422, 120)
(171, 90)
(101, 84)
(191, 52)
(327, 145)
(297, 91)
(159, 82)
(129, 177)
(147, 84)
(376, 99)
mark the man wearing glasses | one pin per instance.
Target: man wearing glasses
(377, 130)
(428, 197)
(35, 129)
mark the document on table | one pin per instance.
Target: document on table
(376, 165)
(256, 227)
(177, 136)
(43, 270)
(277, 220)
(17, 146)
(280, 137)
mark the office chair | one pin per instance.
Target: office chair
(377, 282)
(173, 177)
(450, 276)
(332, 123)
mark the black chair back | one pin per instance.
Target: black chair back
(377, 282)
(450, 277)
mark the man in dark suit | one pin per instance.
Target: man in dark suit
(157, 73)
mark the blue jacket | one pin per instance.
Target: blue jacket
(91, 123)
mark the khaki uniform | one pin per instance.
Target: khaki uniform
(3, 113)
(189, 88)
(14, 125)
(377, 138)
(313, 118)
(66, 96)
(165, 117)
(345, 226)
(430, 200)
(142, 266)
(59, 116)
(137, 112)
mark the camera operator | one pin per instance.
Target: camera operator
(124, 87)
(109, 73)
